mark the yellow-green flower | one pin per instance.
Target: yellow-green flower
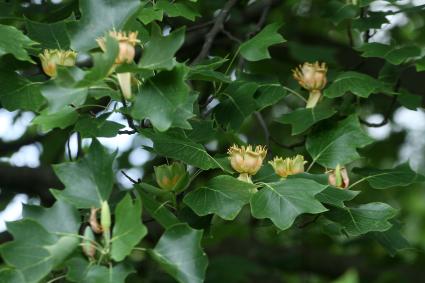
(127, 42)
(288, 166)
(339, 177)
(246, 160)
(51, 58)
(171, 177)
(312, 77)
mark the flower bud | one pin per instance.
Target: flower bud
(171, 177)
(338, 177)
(94, 224)
(126, 45)
(124, 80)
(288, 166)
(88, 243)
(245, 160)
(105, 216)
(51, 58)
(312, 77)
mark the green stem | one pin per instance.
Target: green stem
(313, 98)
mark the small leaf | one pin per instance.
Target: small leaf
(400, 176)
(336, 197)
(88, 181)
(303, 118)
(179, 253)
(159, 52)
(364, 218)
(184, 149)
(256, 48)
(222, 195)
(178, 10)
(395, 55)
(62, 119)
(99, 17)
(357, 83)
(128, 228)
(13, 41)
(157, 211)
(150, 14)
(90, 127)
(337, 145)
(282, 202)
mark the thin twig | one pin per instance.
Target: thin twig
(68, 147)
(131, 179)
(231, 36)
(210, 36)
(127, 132)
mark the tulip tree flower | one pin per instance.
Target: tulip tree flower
(127, 51)
(312, 77)
(51, 58)
(246, 160)
(338, 177)
(288, 166)
(171, 177)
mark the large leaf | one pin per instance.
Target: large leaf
(357, 83)
(98, 17)
(157, 210)
(184, 149)
(283, 201)
(256, 48)
(34, 251)
(159, 52)
(19, 93)
(88, 181)
(222, 195)
(128, 228)
(364, 218)
(165, 100)
(49, 35)
(400, 176)
(80, 270)
(179, 253)
(336, 197)
(392, 240)
(90, 127)
(337, 145)
(60, 98)
(303, 118)
(393, 54)
(178, 9)
(13, 41)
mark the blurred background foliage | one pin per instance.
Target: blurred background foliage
(248, 250)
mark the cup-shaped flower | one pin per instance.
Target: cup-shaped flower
(171, 177)
(246, 160)
(288, 166)
(51, 58)
(127, 43)
(339, 177)
(311, 76)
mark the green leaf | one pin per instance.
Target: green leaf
(80, 270)
(410, 101)
(282, 202)
(221, 195)
(400, 176)
(364, 218)
(90, 127)
(157, 211)
(357, 83)
(11, 275)
(150, 14)
(269, 94)
(165, 100)
(99, 17)
(256, 48)
(180, 254)
(184, 149)
(159, 52)
(13, 41)
(303, 118)
(61, 119)
(392, 240)
(34, 251)
(88, 181)
(49, 35)
(19, 93)
(337, 145)
(178, 10)
(395, 55)
(128, 228)
(350, 276)
(420, 65)
(336, 197)
(60, 98)
(374, 20)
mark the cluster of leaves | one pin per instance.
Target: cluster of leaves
(165, 110)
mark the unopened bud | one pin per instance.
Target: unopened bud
(171, 177)
(124, 79)
(88, 246)
(339, 177)
(288, 166)
(51, 58)
(246, 160)
(94, 224)
(105, 216)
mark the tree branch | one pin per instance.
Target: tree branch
(217, 27)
